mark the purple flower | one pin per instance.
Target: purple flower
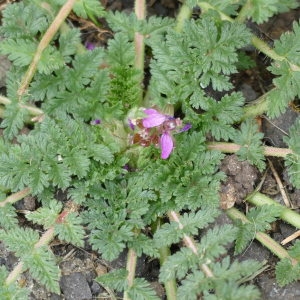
(166, 144)
(164, 124)
(186, 127)
(96, 122)
(154, 118)
(89, 46)
(131, 125)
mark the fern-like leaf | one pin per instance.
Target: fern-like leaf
(250, 140)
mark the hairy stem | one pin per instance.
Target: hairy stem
(233, 148)
(170, 285)
(15, 197)
(263, 238)
(189, 242)
(257, 107)
(242, 16)
(130, 267)
(34, 111)
(53, 28)
(287, 214)
(184, 14)
(139, 44)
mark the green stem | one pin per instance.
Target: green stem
(53, 28)
(205, 7)
(34, 111)
(184, 13)
(257, 107)
(233, 148)
(263, 238)
(265, 48)
(170, 285)
(287, 214)
(242, 16)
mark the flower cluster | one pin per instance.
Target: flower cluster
(157, 129)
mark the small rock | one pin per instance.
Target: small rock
(272, 291)
(96, 288)
(255, 251)
(75, 287)
(248, 92)
(275, 129)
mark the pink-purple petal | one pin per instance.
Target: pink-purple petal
(166, 144)
(154, 118)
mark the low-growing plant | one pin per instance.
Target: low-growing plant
(136, 148)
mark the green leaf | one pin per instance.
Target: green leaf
(286, 272)
(213, 243)
(185, 63)
(172, 233)
(120, 51)
(20, 20)
(19, 240)
(178, 265)
(264, 215)
(51, 59)
(101, 153)
(111, 240)
(246, 233)
(292, 161)
(221, 115)
(141, 290)
(250, 139)
(78, 162)
(71, 230)
(294, 251)
(287, 72)
(46, 216)
(19, 51)
(68, 42)
(42, 266)
(12, 290)
(88, 8)
(14, 118)
(8, 217)
(61, 175)
(116, 279)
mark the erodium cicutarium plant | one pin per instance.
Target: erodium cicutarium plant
(131, 128)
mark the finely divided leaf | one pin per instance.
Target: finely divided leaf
(45, 216)
(71, 230)
(250, 139)
(287, 71)
(42, 266)
(286, 272)
(292, 161)
(116, 279)
(141, 290)
(264, 215)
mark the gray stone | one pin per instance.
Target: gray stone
(75, 287)
(272, 291)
